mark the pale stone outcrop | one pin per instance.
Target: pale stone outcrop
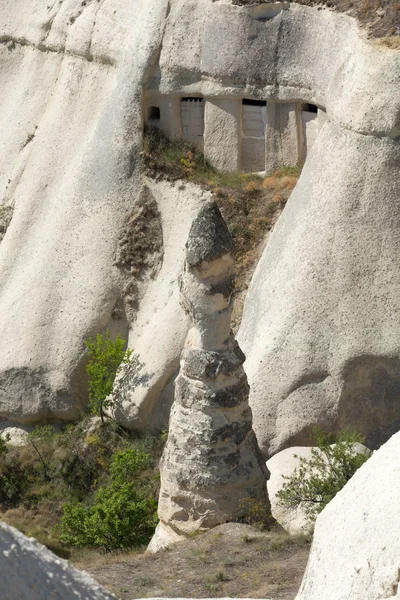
(158, 332)
(320, 329)
(70, 129)
(29, 571)
(356, 548)
(211, 466)
(282, 465)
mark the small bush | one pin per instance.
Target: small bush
(106, 358)
(254, 513)
(14, 480)
(317, 480)
(126, 464)
(120, 516)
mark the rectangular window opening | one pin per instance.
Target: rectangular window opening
(154, 113)
(249, 102)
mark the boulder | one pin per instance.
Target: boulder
(356, 547)
(31, 572)
(281, 466)
(211, 467)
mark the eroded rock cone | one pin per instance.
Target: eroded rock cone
(211, 469)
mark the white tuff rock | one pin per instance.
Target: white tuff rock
(355, 553)
(320, 327)
(211, 466)
(31, 572)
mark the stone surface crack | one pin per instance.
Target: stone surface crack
(61, 50)
(89, 52)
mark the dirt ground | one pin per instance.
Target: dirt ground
(231, 560)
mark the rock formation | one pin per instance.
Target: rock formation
(211, 466)
(70, 179)
(320, 326)
(356, 547)
(31, 572)
(280, 466)
(158, 332)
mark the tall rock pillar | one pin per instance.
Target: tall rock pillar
(211, 466)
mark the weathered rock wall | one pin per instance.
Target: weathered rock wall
(71, 122)
(69, 170)
(320, 322)
(160, 327)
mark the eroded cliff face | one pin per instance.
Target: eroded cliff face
(319, 327)
(71, 127)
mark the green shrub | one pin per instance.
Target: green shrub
(128, 463)
(106, 358)
(317, 480)
(120, 516)
(14, 480)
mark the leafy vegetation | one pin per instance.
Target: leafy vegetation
(106, 359)
(85, 486)
(317, 480)
(119, 516)
(254, 514)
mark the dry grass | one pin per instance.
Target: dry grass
(41, 523)
(392, 42)
(280, 181)
(230, 560)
